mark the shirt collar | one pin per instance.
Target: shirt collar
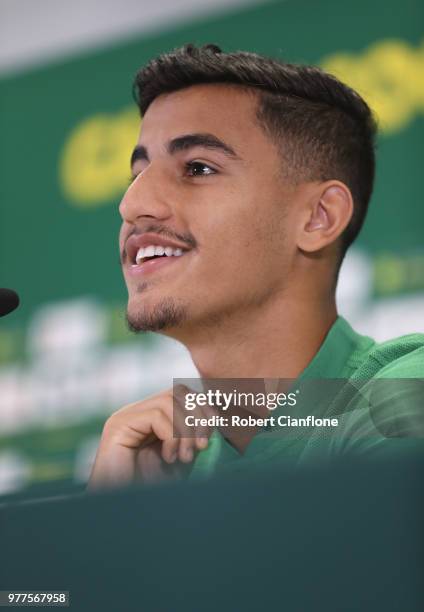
(332, 358)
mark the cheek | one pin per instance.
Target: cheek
(232, 252)
(240, 234)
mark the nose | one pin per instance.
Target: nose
(147, 196)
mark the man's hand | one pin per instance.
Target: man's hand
(142, 441)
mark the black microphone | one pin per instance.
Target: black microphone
(9, 300)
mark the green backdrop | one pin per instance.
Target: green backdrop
(66, 359)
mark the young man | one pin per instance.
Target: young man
(251, 178)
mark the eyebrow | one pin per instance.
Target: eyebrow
(188, 141)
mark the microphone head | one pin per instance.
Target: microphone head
(9, 300)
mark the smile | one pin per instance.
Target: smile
(150, 252)
(153, 252)
(152, 257)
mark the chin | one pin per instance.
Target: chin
(162, 316)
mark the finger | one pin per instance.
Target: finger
(160, 424)
(170, 447)
(202, 442)
(186, 449)
(203, 430)
(169, 450)
(181, 429)
(187, 439)
(151, 466)
(149, 463)
(180, 391)
(209, 413)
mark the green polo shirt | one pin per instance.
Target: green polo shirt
(375, 391)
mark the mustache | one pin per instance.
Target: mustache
(187, 238)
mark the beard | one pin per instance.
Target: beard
(165, 315)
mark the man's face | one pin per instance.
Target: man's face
(208, 180)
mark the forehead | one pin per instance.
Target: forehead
(226, 111)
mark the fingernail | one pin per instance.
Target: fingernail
(189, 454)
(202, 442)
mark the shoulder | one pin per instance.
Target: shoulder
(392, 392)
(399, 357)
(387, 392)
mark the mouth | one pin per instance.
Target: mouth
(148, 255)
(153, 252)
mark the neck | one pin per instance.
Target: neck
(275, 341)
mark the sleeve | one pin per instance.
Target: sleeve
(387, 417)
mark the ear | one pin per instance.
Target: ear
(328, 213)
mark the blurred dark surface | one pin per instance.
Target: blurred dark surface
(345, 539)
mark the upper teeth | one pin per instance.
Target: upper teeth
(152, 250)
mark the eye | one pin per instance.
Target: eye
(196, 168)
